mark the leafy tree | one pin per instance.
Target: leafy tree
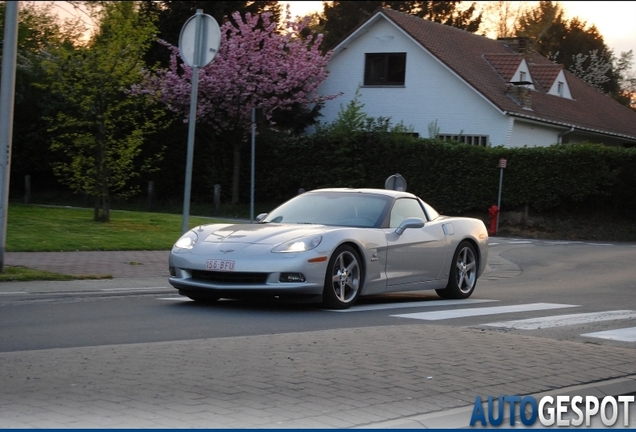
(595, 72)
(581, 49)
(101, 130)
(501, 17)
(341, 17)
(39, 28)
(626, 79)
(276, 71)
(171, 16)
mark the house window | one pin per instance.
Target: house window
(560, 88)
(384, 69)
(478, 140)
(522, 76)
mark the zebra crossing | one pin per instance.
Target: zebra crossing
(562, 319)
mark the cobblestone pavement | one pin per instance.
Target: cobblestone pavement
(407, 376)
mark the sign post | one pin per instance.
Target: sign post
(502, 165)
(198, 44)
(7, 97)
(257, 116)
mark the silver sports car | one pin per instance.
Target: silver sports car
(333, 245)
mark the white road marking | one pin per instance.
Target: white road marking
(401, 305)
(135, 289)
(12, 292)
(471, 312)
(561, 242)
(176, 298)
(564, 320)
(623, 335)
(520, 242)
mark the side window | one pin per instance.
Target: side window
(405, 208)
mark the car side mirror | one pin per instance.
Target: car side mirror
(412, 222)
(260, 217)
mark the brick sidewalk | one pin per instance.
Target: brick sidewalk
(124, 264)
(337, 378)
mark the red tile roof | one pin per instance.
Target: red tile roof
(546, 74)
(471, 57)
(505, 64)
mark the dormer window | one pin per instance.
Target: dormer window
(522, 76)
(559, 87)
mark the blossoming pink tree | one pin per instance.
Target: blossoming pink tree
(256, 66)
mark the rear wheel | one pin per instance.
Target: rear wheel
(463, 274)
(344, 278)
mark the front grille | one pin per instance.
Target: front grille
(230, 278)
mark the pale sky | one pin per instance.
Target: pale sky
(615, 20)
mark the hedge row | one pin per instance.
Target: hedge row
(455, 178)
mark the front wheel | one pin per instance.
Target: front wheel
(463, 274)
(344, 278)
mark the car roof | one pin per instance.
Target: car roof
(385, 192)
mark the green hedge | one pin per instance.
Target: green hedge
(455, 178)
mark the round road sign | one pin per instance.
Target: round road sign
(199, 52)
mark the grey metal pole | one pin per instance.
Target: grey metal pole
(192, 120)
(7, 97)
(499, 199)
(253, 164)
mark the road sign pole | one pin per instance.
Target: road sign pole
(7, 97)
(502, 165)
(253, 164)
(192, 122)
(499, 198)
(206, 41)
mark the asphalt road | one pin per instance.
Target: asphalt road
(568, 290)
(548, 318)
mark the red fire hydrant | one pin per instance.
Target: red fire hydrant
(493, 211)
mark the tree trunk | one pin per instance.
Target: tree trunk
(236, 172)
(96, 209)
(105, 205)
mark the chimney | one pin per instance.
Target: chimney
(519, 44)
(521, 95)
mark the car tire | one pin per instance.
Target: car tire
(344, 278)
(463, 273)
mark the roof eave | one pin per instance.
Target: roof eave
(571, 126)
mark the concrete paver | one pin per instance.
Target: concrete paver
(119, 264)
(239, 381)
(407, 376)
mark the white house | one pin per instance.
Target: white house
(468, 87)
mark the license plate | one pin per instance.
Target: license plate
(220, 265)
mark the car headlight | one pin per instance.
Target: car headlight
(187, 241)
(299, 245)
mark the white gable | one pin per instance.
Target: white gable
(522, 74)
(417, 89)
(431, 93)
(560, 87)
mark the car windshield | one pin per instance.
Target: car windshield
(332, 208)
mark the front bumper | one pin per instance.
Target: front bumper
(253, 274)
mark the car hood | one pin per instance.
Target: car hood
(268, 234)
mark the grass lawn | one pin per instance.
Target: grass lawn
(47, 229)
(22, 274)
